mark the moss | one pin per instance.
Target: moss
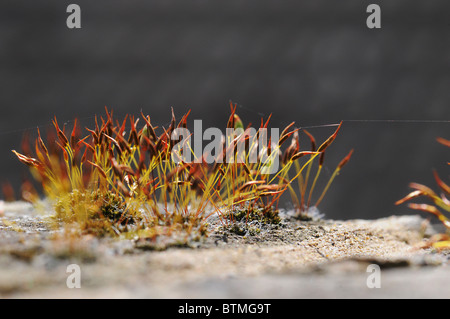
(114, 209)
(247, 220)
(238, 229)
(120, 181)
(253, 231)
(249, 214)
(96, 213)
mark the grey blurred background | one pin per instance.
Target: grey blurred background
(314, 62)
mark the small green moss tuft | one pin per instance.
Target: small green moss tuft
(259, 214)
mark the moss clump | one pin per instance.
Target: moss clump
(248, 220)
(96, 213)
(121, 177)
(259, 214)
(114, 209)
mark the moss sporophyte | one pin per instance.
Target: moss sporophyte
(440, 203)
(125, 178)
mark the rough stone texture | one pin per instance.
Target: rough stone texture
(323, 259)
